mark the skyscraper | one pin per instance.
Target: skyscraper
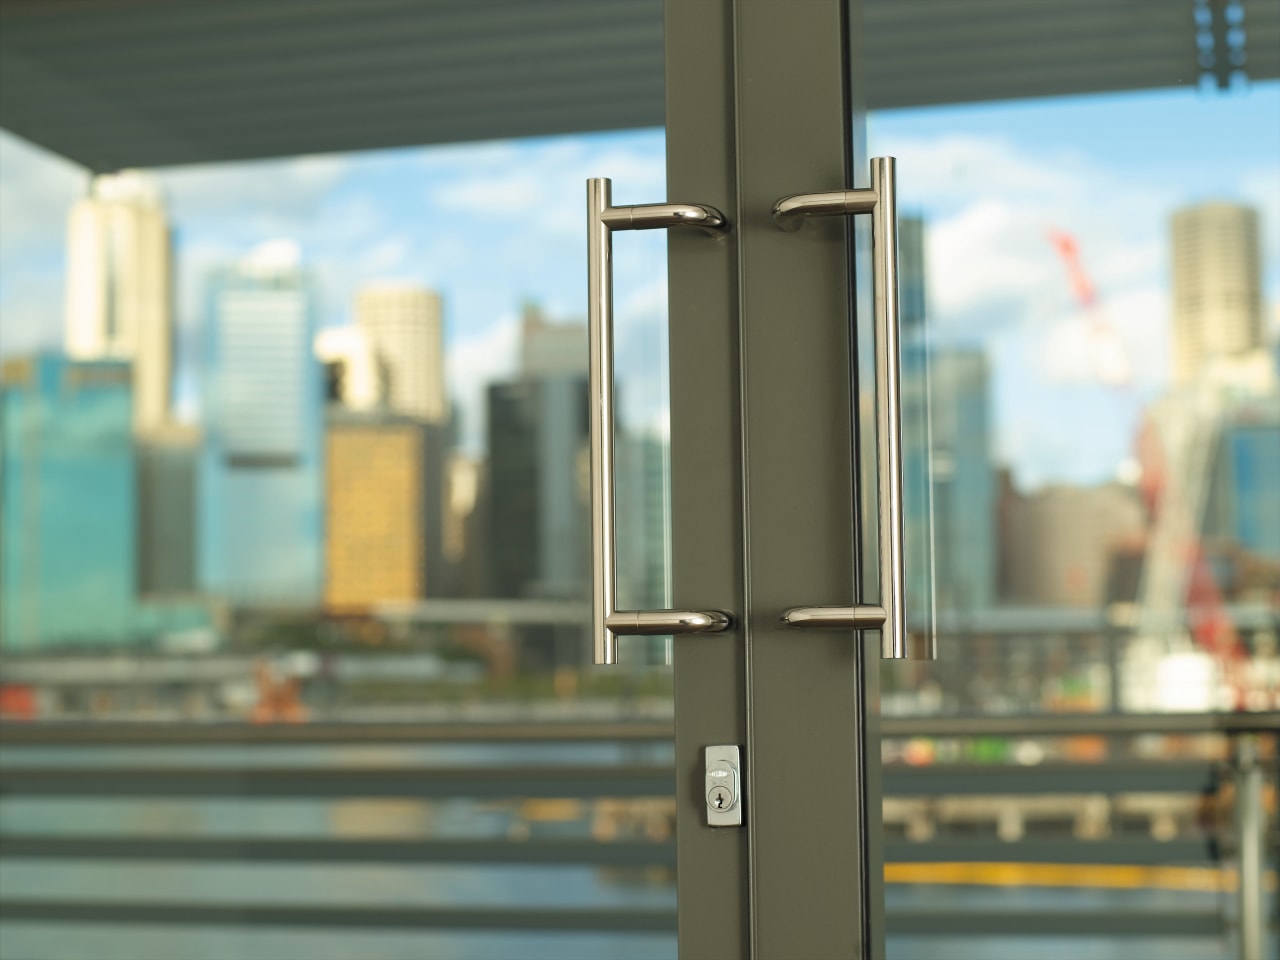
(1217, 286)
(260, 474)
(536, 493)
(167, 462)
(119, 288)
(67, 525)
(948, 475)
(405, 326)
(69, 563)
(964, 481)
(536, 505)
(1243, 507)
(382, 521)
(353, 374)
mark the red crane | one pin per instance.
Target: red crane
(1208, 620)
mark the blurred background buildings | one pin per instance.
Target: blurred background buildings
(326, 483)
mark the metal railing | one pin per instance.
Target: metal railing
(1249, 773)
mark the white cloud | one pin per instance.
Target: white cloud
(1063, 402)
(37, 189)
(650, 299)
(272, 196)
(991, 263)
(549, 186)
(496, 196)
(1261, 189)
(386, 258)
(949, 167)
(31, 315)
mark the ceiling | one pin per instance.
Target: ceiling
(122, 83)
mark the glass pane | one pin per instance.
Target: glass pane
(1094, 229)
(294, 583)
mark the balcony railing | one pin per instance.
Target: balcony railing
(927, 801)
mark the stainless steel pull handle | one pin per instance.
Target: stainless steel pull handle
(881, 202)
(608, 623)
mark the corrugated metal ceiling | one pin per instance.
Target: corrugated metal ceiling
(117, 83)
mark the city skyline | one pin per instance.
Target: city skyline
(1010, 268)
(990, 196)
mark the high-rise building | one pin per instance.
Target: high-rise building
(460, 525)
(119, 288)
(1243, 508)
(964, 481)
(537, 434)
(1217, 286)
(536, 501)
(260, 477)
(405, 326)
(382, 521)
(911, 276)
(536, 489)
(949, 484)
(68, 523)
(549, 349)
(642, 505)
(167, 461)
(1061, 541)
(353, 374)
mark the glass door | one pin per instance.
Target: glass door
(295, 583)
(1088, 233)
(307, 644)
(1087, 768)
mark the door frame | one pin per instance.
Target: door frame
(763, 441)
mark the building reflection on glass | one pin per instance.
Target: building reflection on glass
(1167, 572)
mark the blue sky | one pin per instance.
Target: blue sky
(493, 224)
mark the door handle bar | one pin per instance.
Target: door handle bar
(607, 622)
(882, 203)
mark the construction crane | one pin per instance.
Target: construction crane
(1178, 597)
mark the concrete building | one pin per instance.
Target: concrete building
(405, 326)
(120, 290)
(353, 375)
(461, 536)
(261, 465)
(383, 536)
(1217, 286)
(1059, 542)
(167, 507)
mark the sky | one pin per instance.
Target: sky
(491, 225)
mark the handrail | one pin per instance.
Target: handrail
(135, 734)
(128, 734)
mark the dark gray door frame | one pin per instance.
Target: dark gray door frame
(759, 107)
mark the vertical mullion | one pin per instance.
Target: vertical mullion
(863, 455)
(706, 476)
(808, 817)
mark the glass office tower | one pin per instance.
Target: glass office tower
(68, 529)
(261, 469)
